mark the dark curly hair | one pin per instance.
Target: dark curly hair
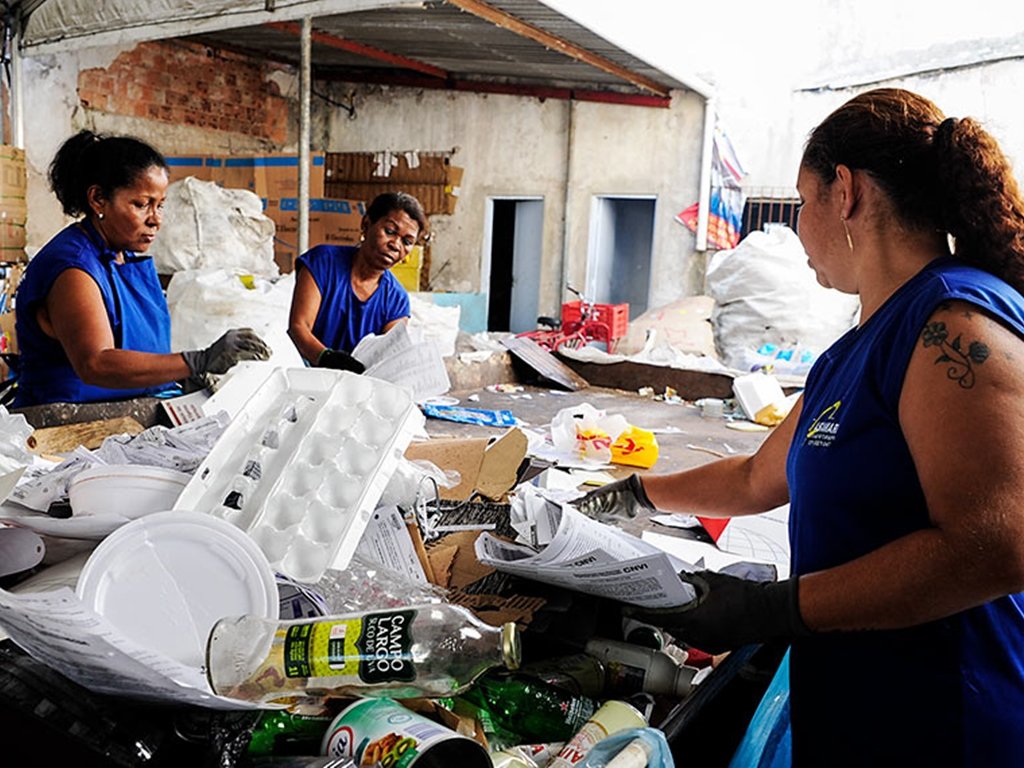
(941, 173)
(109, 162)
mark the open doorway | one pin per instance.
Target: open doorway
(619, 257)
(513, 241)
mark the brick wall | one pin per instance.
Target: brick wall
(184, 83)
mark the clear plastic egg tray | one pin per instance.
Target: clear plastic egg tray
(303, 464)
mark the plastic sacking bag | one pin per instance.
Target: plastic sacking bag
(205, 225)
(431, 322)
(633, 748)
(205, 303)
(765, 294)
(767, 742)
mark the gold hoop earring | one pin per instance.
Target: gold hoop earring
(846, 229)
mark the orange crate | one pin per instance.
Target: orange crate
(615, 316)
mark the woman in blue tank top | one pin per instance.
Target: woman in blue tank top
(344, 292)
(91, 317)
(903, 464)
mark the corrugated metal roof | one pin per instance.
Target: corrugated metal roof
(493, 45)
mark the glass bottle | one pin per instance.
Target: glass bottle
(633, 668)
(418, 651)
(533, 710)
(280, 732)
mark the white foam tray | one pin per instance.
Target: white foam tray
(304, 462)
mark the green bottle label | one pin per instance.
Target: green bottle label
(375, 649)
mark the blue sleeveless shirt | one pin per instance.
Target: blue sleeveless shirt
(950, 692)
(135, 305)
(343, 318)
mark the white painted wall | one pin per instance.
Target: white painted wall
(514, 146)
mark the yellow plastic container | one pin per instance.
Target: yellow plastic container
(635, 447)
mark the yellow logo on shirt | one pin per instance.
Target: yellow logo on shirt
(823, 429)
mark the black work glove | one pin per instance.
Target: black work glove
(339, 361)
(730, 612)
(623, 498)
(234, 346)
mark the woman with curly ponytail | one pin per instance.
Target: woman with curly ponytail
(903, 462)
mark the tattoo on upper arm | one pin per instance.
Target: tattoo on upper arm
(961, 361)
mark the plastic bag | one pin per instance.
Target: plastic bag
(765, 294)
(635, 748)
(205, 225)
(204, 304)
(767, 742)
(594, 435)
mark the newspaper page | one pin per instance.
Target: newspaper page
(59, 630)
(588, 556)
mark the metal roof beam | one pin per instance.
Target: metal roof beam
(508, 89)
(521, 28)
(362, 49)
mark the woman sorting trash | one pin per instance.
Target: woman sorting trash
(903, 464)
(344, 292)
(91, 319)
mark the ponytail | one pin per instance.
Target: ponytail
(109, 162)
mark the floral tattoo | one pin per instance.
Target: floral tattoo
(961, 361)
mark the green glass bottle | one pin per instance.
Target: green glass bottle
(279, 732)
(529, 707)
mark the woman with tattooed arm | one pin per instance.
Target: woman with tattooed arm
(903, 464)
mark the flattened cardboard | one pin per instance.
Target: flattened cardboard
(484, 467)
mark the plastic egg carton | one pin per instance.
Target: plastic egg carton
(303, 464)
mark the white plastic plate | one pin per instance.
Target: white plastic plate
(164, 580)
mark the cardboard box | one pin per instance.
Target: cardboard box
(485, 466)
(398, 167)
(269, 176)
(430, 178)
(333, 222)
(13, 178)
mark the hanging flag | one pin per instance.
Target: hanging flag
(725, 213)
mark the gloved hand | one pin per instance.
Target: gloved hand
(623, 498)
(234, 346)
(730, 612)
(339, 361)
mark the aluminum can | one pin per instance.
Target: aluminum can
(383, 732)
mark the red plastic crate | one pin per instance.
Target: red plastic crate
(615, 316)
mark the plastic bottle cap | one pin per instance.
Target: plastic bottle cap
(511, 647)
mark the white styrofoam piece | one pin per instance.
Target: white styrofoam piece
(755, 391)
(304, 462)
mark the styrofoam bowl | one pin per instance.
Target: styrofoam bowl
(128, 490)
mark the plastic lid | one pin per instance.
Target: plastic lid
(511, 647)
(164, 581)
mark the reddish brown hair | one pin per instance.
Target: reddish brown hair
(940, 173)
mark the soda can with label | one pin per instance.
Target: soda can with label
(383, 732)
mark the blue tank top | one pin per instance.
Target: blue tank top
(950, 692)
(135, 305)
(343, 319)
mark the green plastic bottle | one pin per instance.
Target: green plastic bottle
(529, 707)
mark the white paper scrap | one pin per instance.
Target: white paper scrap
(387, 541)
(59, 630)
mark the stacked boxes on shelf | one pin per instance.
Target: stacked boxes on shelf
(428, 176)
(13, 211)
